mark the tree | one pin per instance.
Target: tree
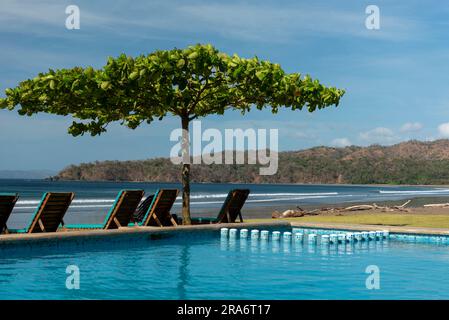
(189, 83)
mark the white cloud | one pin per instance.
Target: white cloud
(341, 142)
(379, 135)
(443, 129)
(411, 127)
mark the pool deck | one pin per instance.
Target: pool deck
(366, 227)
(60, 236)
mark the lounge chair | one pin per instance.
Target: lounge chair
(120, 213)
(230, 210)
(155, 210)
(49, 214)
(7, 203)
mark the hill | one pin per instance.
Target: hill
(411, 162)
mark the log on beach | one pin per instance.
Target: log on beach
(292, 213)
(359, 207)
(299, 212)
(437, 205)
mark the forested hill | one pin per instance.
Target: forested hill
(410, 162)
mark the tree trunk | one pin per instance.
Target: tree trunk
(185, 172)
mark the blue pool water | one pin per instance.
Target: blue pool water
(201, 265)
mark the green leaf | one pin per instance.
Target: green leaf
(89, 71)
(193, 55)
(237, 71)
(260, 75)
(74, 84)
(134, 75)
(105, 85)
(181, 63)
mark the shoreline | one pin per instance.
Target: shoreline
(248, 183)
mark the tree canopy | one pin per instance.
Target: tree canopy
(195, 82)
(189, 83)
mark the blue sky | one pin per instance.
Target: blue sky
(396, 78)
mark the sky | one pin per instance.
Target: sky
(395, 77)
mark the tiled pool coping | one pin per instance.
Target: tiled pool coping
(7, 240)
(366, 227)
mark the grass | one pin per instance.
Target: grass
(401, 220)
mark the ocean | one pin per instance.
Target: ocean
(93, 199)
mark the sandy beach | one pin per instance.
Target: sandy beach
(416, 207)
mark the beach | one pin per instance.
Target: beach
(94, 199)
(416, 206)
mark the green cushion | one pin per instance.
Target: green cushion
(84, 226)
(23, 230)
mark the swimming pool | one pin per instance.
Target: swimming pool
(202, 265)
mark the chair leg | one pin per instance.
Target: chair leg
(173, 221)
(240, 216)
(41, 225)
(157, 220)
(117, 223)
(229, 216)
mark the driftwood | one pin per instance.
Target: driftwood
(375, 206)
(437, 205)
(275, 215)
(292, 213)
(360, 207)
(299, 212)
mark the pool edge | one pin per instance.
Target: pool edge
(11, 239)
(368, 227)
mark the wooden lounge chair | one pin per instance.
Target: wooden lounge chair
(157, 209)
(7, 203)
(120, 213)
(231, 209)
(49, 214)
